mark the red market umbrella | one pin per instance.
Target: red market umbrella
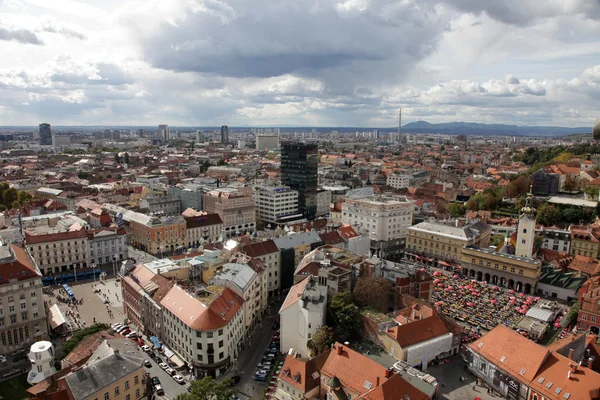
(470, 304)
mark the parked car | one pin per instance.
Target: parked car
(12, 372)
(147, 364)
(178, 379)
(236, 379)
(170, 371)
(146, 348)
(260, 377)
(2, 358)
(163, 365)
(155, 380)
(159, 390)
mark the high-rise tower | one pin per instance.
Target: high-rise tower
(299, 164)
(399, 138)
(224, 134)
(45, 134)
(164, 133)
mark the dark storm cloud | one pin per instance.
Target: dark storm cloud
(20, 35)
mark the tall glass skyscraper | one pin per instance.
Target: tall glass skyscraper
(224, 134)
(45, 134)
(299, 164)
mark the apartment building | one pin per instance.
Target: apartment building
(204, 327)
(22, 312)
(398, 181)
(268, 253)
(302, 314)
(293, 248)
(276, 204)
(589, 306)
(235, 207)
(157, 235)
(585, 240)
(203, 228)
(106, 245)
(385, 219)
(165, 205)
(58, 252)
(443, 241)
(247, 282)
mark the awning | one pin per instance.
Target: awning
(177, 361)
(156, 342)
(56, 317)
(168, 352)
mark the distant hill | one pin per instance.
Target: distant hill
(473, 128)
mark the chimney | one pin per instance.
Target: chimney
(590, 362)
(571, 353)
(377, 382)
(339, 349)
(388, 373)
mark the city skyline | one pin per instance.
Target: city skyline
(346, 63)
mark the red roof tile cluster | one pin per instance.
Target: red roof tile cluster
(20, 267)
(260, 248)
(587, 265)
(54, 237)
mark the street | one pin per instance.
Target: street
(250, 356)
(172, 389)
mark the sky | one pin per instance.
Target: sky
(299, 62)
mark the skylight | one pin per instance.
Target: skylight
(368, 385)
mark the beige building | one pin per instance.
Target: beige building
(235, 207)
(269, 254)
(22, 313)
(497, 268)
(445, 242)
(58, 252)
(204, 228)
(157, 235)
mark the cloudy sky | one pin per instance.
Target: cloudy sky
(299, 62)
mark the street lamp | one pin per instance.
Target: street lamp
(94, 271)
(114, 265)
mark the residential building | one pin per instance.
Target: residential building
(157, 235)
(107, 245)
(58, 251)
(555, 239)
(585, 240)
(276, 205)
(589, 306)
(268, 252)
(323, 202)
(117, 376)
(416, 334)
(343, 373)
(204, 327)
(161, 205)
(45, 134)
(518, 368)
(203, 228)
(398, 181)
(559, 284)
(204, 267)
(267, 142)
(444, 241)
(385, 219)
(152, 181)
(22, 311)
(293, 248)
(164, 133)
(99, 218)
(190, 196)
(545, 182)
(299, 167)
(246, 282)
(235, 207)
(301, 315)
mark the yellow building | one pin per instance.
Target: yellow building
(157, 235)
(114, 377)
(445, 242)
(498, 268)
(585, 241)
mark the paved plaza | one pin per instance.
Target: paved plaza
(451, 388)
(103, 306)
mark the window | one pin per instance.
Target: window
(137, 393)
(593, 319)
(221, 355)
(584, 317)
(127, 397)
(199, 346)
(106, 396)
(209, 335)
(136, 380)
(117, 391)
(126, 385)
(220, 332)
(220, 343)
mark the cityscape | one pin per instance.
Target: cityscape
(324, 200)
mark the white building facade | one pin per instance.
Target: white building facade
(106, 246)
(273, 204)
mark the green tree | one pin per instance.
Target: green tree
(571, 184)
(23, 197)
(126, 158)
(344, 315)
(9, 196)
(472, 204)
(573, 214)
(16, 205)
(221, 162)
(323, 338)
(548, 214)
(456, 210)
(208, 388)
(374, 293)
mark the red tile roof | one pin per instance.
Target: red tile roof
(299, 372)
(20, 268)
(54, 237)
(294, 294)
(395, 388)
(418, 331)
(199, 316)
(261, 248)
(331, 238)
(202, 220)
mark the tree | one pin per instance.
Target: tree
(23, 197)
(456, 210)
(126, 158)
(344, 315)
(548, 214)
(440, 207)
(472, 204)
(321, 340)
(489, 203)
(208, 388)
(571, 184)
(16, 205)
(117, 158)
(9, 196)
(221, 162)
(374, 293)
(573, 214)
